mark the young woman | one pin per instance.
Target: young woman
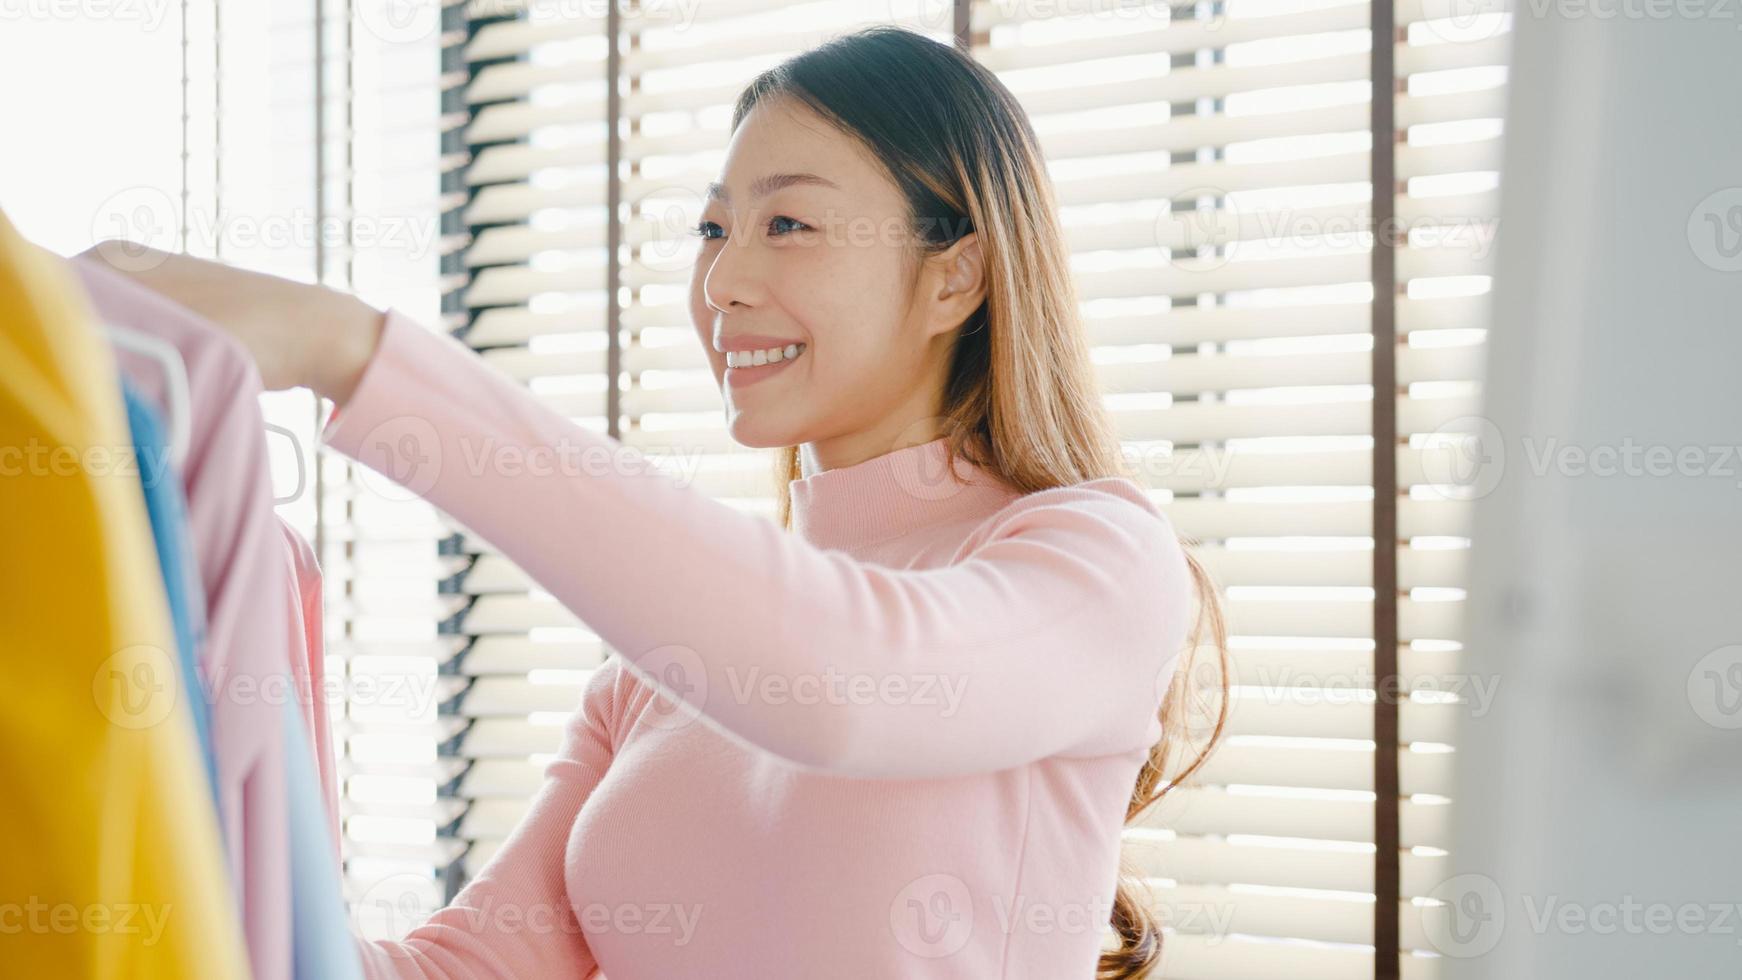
(897, 736)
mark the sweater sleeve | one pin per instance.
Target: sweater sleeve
(514, 918)
(1055, 635)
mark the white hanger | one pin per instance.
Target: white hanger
(176, 391)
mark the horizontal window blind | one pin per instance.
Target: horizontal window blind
(1451, 66)
(309, 152)
(374, 78)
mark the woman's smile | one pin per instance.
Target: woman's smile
(749, 367)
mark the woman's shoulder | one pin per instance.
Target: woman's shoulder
(1119, 501)
(1112, 518)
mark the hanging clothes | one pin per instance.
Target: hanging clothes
(111, 828)
(308, 662)
(242, 570)
(187, 607)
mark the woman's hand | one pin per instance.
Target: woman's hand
(298, 334)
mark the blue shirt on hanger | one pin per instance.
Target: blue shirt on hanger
(167, 509)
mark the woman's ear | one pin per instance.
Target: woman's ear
(959, 275)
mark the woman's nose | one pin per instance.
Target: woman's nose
(736, 279)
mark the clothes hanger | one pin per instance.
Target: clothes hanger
(176, 391)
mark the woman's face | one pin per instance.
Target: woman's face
(806, 244)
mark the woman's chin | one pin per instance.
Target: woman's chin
(755, 430)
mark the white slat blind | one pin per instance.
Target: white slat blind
(1212, 162)
(312, 132)
(384, 173)
(1451, 68)
(1200, 158)
(1245, 349)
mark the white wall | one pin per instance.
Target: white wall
(90, 108)
(1600, 801)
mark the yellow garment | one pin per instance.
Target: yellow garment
(112, 865)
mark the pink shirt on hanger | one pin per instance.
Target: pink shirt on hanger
(243, 570)
(308, 663)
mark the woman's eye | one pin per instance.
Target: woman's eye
(779, 225)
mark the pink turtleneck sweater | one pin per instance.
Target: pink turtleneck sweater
(897, 743)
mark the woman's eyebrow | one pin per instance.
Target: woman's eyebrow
(768, 184)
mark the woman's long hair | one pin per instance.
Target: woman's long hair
(1021, 398)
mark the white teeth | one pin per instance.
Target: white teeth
(768, 355)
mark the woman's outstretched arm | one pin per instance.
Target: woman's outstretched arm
(1055, 635)
(1052, 637)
